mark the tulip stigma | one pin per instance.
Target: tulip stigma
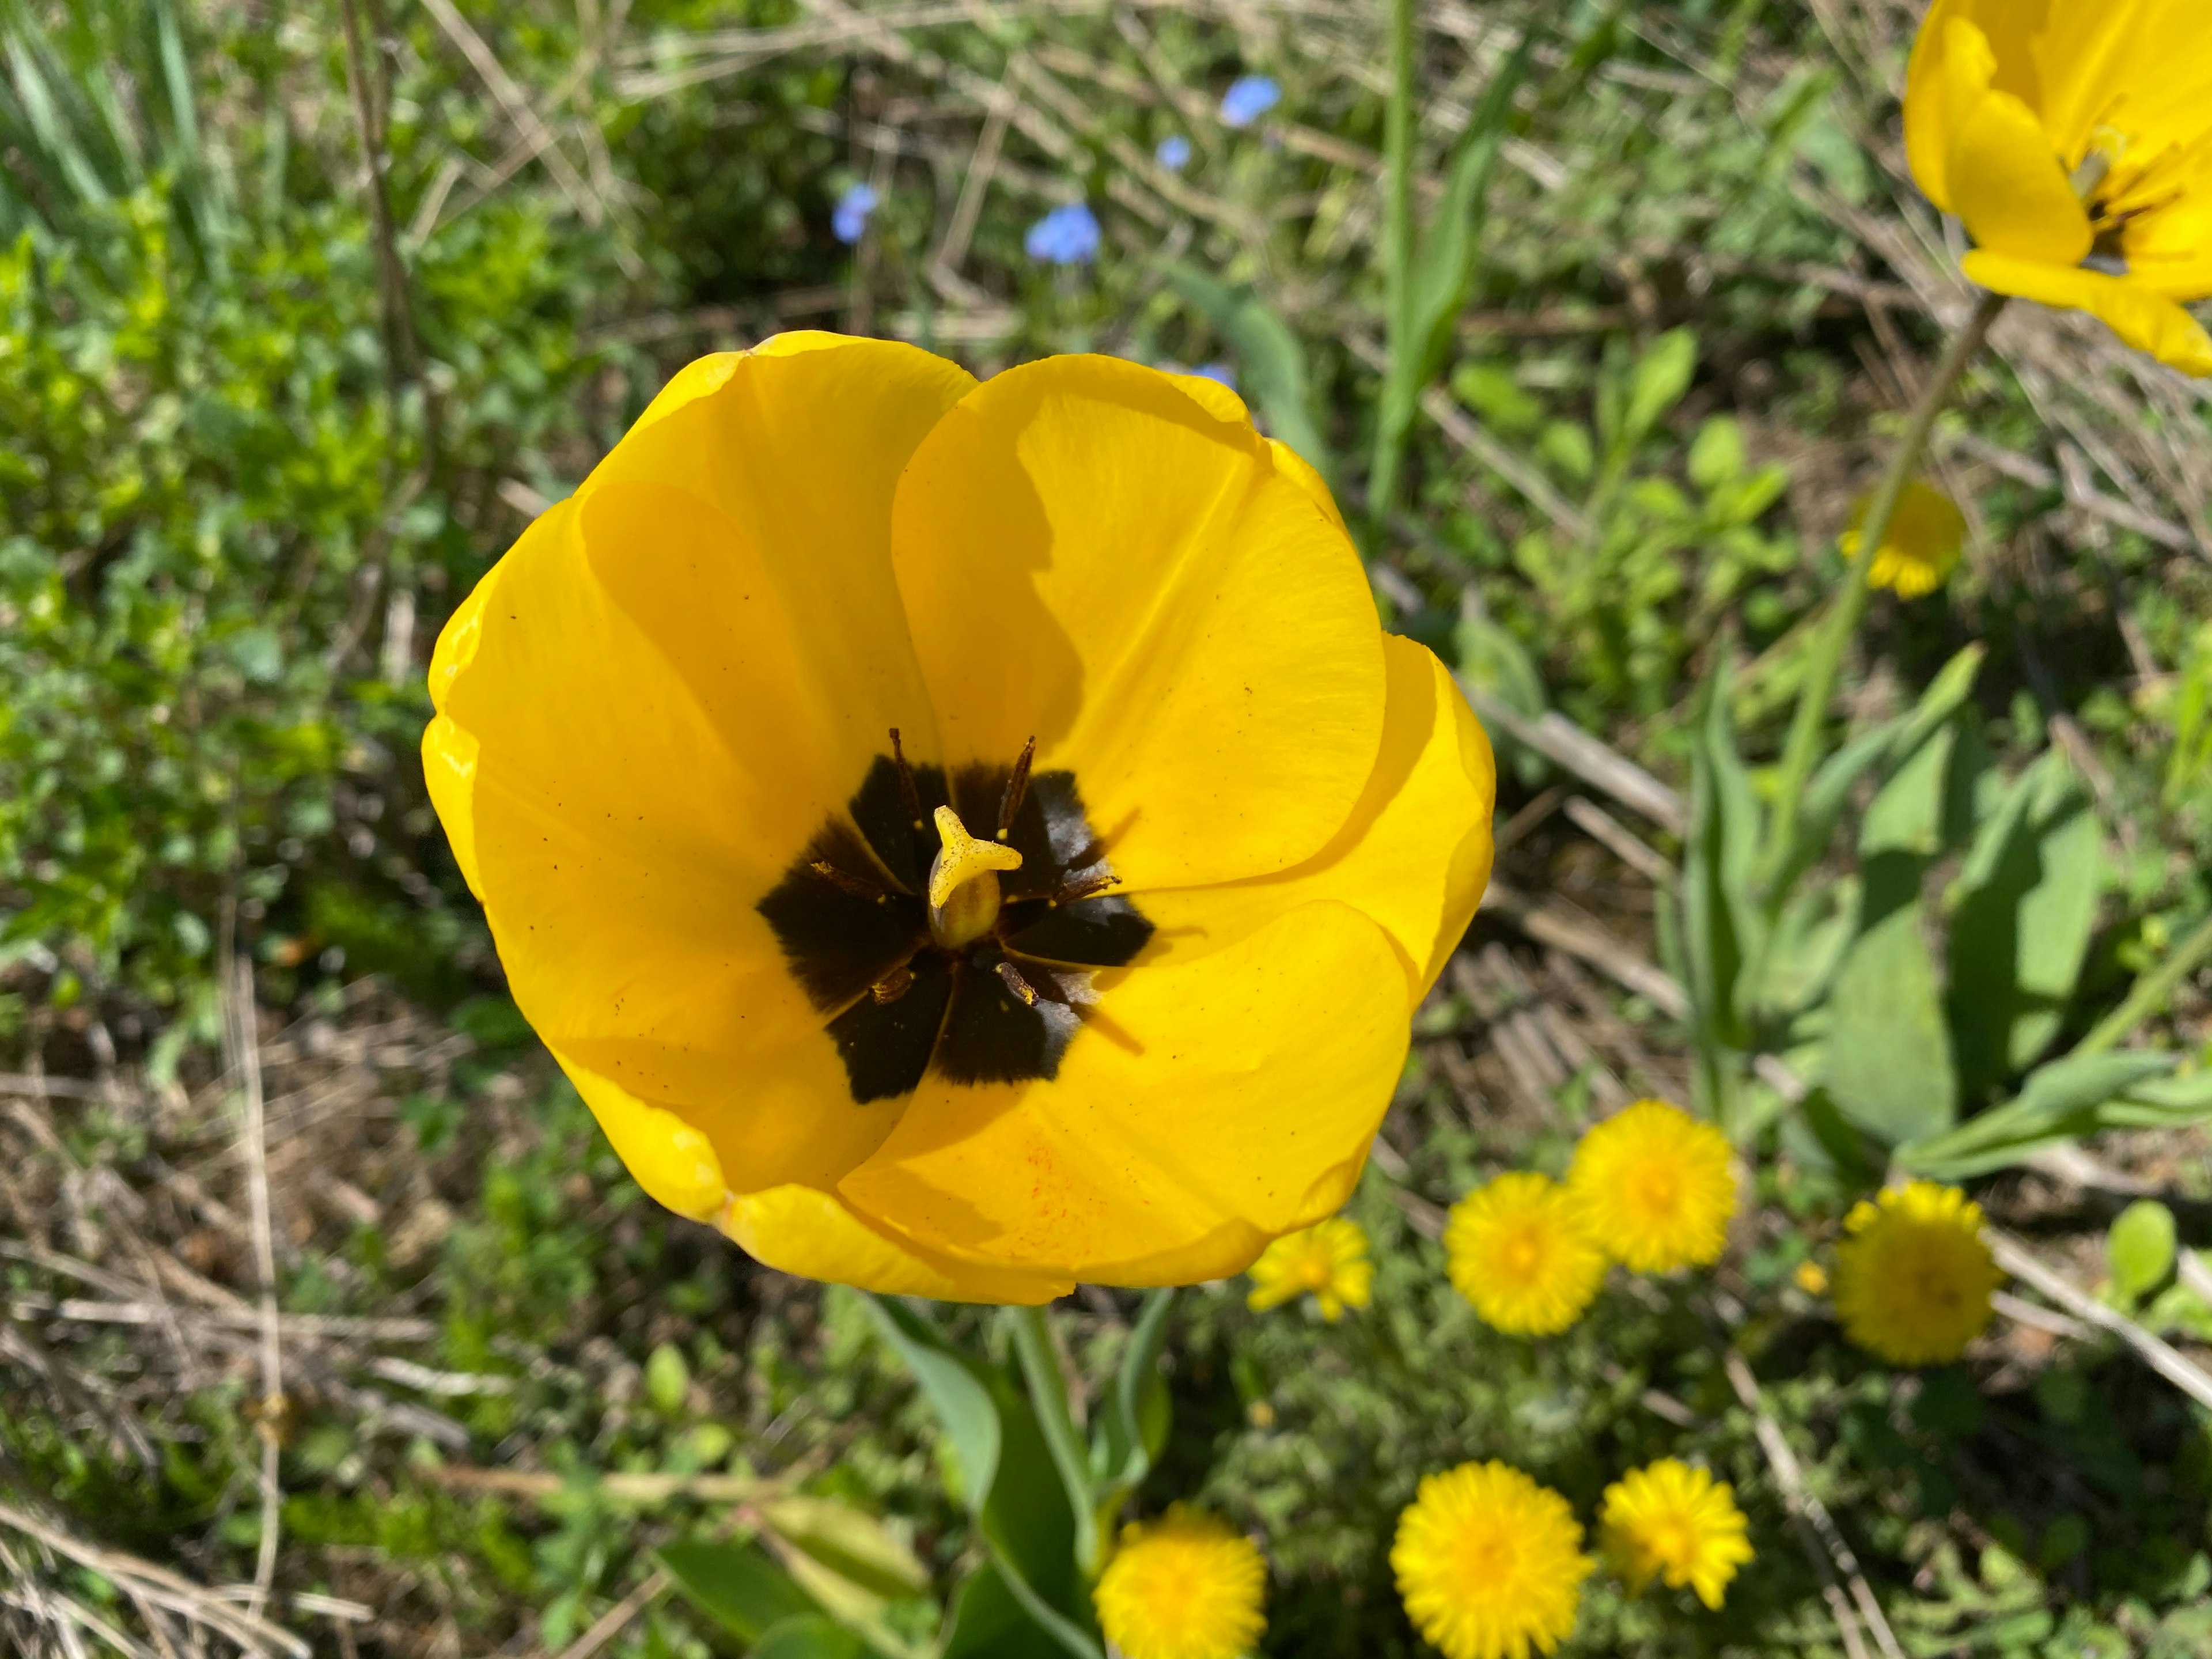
(964, 881)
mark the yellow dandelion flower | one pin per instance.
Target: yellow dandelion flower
(2073, 138)
(1811, 1278)
(1329, 1260)
(883, 823)
(1677, 1523)
(1519, 1250)
(1490, 1563)
(1921, 546)
(1913, 1277)
(1182, 1587)
(1658, 1187)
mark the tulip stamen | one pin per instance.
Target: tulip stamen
(1017, 786)
(908, 792)
(892, 986)
(1019, 986)
(846, 882)
(1078, 888)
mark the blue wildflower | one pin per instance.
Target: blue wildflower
(1220, 372)
(1249, 98)
(1065, 236)
(1173, 152)
(848, 220)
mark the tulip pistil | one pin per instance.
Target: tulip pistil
(963, 882)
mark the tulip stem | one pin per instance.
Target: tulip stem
(1801, 752)
(1047, 1387)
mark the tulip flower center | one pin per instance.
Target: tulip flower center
(929, 949)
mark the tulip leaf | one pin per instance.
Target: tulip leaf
(737, 1585)
(2024, 907)
(1268, 356)
(1013, 1488)
(1906, 814)
(1888, 1065)
(1880, 751)
(2061, 1101)
(947, 1379)
(2139, 1249)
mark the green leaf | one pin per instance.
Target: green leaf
(1716, 454)
(1442, 270)
(667, 1379)
(2068, 1097)
(735, 1584)
(810, 1637)
(2024, 907)
(1662, 377)
(1722, 927)
(848, 1542)
(1881, 751)
(2139, 1249)
(1268, 356)
(1906, 814)
(1888, 1063)
(963, 1405)
(1013, 1485)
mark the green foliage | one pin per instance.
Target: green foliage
(214, 497)
(2139, 1250)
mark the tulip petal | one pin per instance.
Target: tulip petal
(1414, 855)
(2146, 321)
(1209, 1106)
(1928, 134)
(665, 705)
(2143, 67)
(671, 1160)
(449, 769)
(1090, 556)
(801, 1231)
(2005, 180)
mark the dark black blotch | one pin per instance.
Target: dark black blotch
(881, 810)
(886, 1046)
(840, 942)
(1096, 932)
(991, 1035)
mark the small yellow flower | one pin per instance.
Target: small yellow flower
(1182, 1587)
(1656, 1186)
(1921, 547)
(1913, 1277)
(1520, 1252)
(1490, 1563)
(2073, 140)
(1811, 1278)
(1329, 1260)
(1677, 1523)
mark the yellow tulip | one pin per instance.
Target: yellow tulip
(2073, 138)
(961, 838)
